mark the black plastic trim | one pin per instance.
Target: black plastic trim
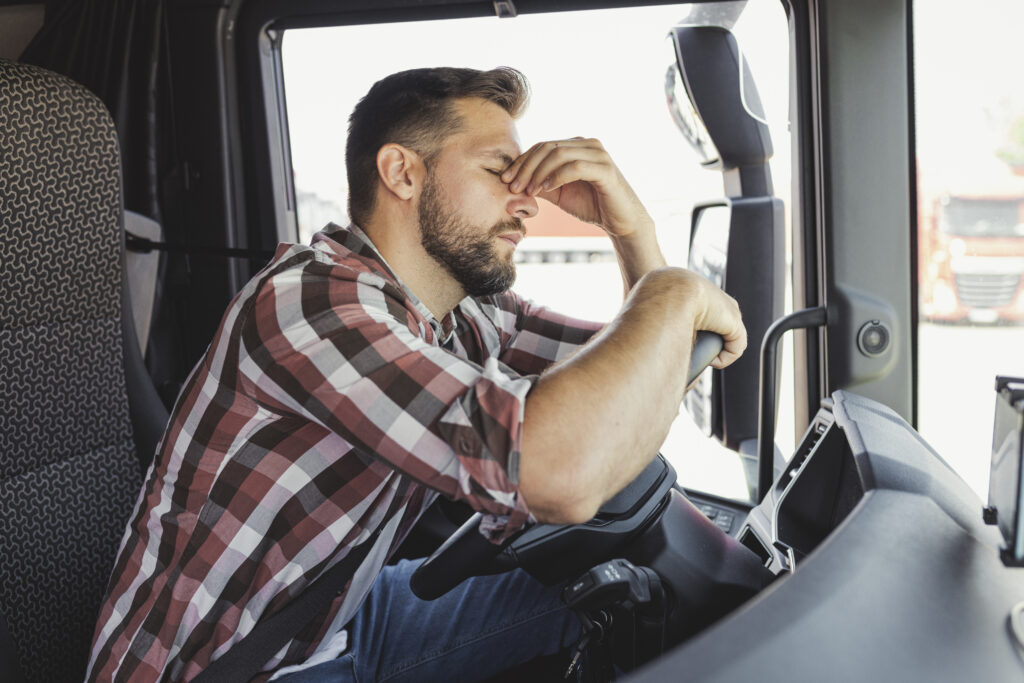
(914, 219)
(807, 318)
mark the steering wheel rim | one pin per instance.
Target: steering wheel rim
(467, 553)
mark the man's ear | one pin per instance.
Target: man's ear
(399, 169)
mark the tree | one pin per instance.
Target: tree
(1012, 152)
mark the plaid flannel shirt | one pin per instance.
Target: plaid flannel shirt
(330, 404)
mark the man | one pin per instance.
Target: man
(354, 380)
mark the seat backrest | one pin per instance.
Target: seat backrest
(69, 472)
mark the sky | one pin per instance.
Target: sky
(968, 73)
(600, 74)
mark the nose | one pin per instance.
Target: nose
(522, 205)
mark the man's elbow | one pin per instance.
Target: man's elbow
(558, 484)
(559, 505)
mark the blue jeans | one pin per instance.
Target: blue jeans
(486, 625)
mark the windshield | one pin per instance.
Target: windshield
(600, 73)
(983, 217)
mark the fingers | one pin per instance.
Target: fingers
(579, 176)
(730, 353)
(555, 173)
(723, 316)
(735, 344)
(535, 170)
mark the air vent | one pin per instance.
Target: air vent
(811, 438)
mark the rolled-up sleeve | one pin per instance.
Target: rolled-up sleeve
(359, 371)
(535, 336)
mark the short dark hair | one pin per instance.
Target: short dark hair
(414, 109)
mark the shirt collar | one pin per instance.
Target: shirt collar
(358, 242)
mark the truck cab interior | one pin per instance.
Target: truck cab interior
(154, 153)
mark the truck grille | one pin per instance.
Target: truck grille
(987, 290)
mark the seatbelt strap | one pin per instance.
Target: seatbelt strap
(247, 657)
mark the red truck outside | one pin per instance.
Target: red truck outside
(971, 244)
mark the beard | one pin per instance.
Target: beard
(465, 251)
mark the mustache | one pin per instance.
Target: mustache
(510, 225)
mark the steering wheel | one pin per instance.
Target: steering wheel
(467, 553)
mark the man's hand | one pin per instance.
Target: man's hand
(579, 176)
(722, 315)
(710, 309)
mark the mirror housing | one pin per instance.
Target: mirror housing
(737, 242)
(723, 102)
(748, 233)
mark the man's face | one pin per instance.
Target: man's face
(470, 222)
(467, 251)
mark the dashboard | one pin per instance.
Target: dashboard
(884, 568)
(819, 487)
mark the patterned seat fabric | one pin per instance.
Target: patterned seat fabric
(69, 474)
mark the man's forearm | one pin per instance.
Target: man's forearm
(592, 422)
(638, 254)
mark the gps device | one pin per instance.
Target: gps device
(1006, 484)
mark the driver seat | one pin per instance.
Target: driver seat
(79, 418)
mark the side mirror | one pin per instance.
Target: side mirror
(736, 241)
(738, 244)
(687, 119)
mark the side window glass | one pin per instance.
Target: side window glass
(970, 167)
(593, 73)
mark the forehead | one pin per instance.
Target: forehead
(487, 130)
